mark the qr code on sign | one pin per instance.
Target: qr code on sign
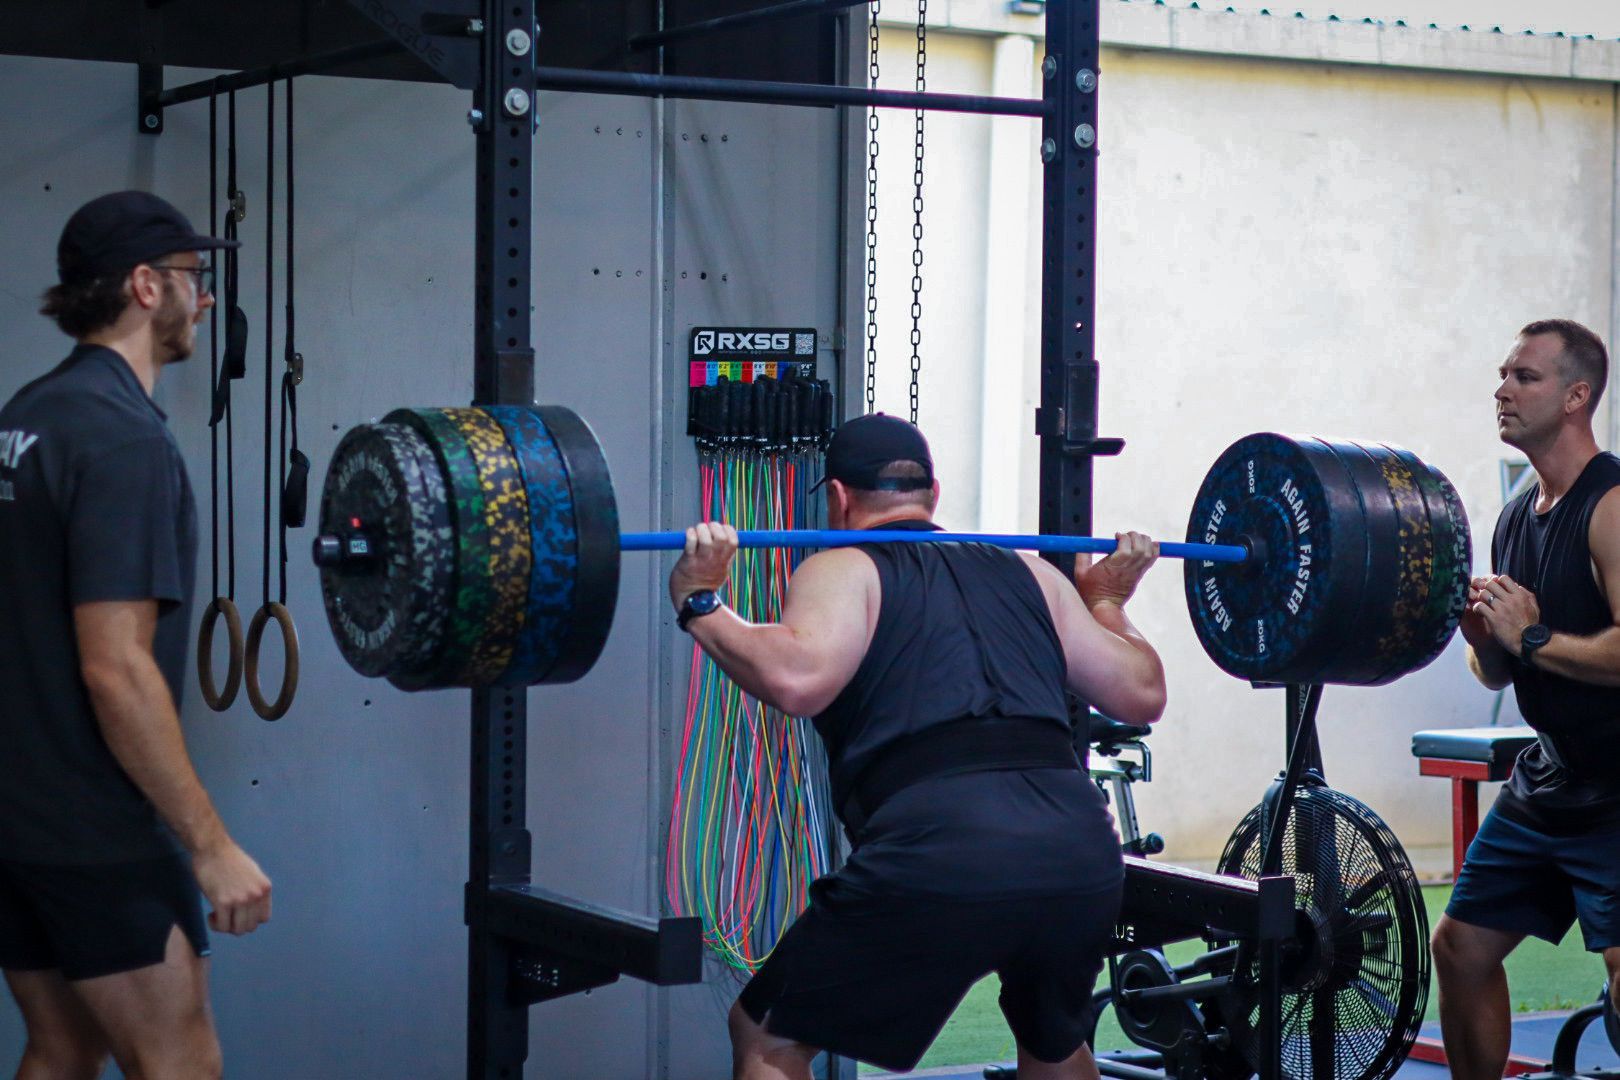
(804, 344)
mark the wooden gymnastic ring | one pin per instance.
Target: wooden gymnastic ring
(289, 671)
(220, 700)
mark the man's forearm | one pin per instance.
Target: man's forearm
(137, 717)
(758, 657)
(1594, 659)
(1489, 663)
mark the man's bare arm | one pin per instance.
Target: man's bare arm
(137, 716)
(800, 663)
(1110, 664)
(1489, 666)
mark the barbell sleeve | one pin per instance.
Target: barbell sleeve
(823, 538)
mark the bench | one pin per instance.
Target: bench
(1467, 756)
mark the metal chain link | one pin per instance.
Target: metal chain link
(871, 213)
(917, 209)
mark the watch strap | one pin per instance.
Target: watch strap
(690, 611)
(1530, 644)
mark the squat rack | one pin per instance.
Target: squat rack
(526, 945)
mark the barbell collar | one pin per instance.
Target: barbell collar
(821, 538)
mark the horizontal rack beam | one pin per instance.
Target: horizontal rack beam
(665, 952)
(307, 65)
(777, 93)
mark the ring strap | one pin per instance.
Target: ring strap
(220, 700)
(289, 672)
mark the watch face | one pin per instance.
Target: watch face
(1536, 635)
(701, 603)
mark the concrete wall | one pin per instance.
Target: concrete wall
(1338, 248)
(649, 219)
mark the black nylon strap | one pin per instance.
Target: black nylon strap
(213, 338)
(899, 483)
(235, 348)
(294, 465)
(269, 321)
(965, 746)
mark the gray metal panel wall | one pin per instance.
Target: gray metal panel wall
(356, 802)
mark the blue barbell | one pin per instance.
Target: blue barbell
(825, 538)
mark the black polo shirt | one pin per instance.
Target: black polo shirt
(94, 505)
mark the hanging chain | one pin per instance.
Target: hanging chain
(871, 213)
(917, 209)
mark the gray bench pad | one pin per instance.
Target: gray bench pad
(1495, 746)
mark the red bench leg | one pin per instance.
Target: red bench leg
(1464, 820)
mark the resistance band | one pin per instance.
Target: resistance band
(751, 825)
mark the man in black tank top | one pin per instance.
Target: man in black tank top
(936, 675)
(1548, 621)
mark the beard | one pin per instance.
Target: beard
(173, 327)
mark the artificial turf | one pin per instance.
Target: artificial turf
(1540, 977)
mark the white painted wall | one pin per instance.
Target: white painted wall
(1332, 248)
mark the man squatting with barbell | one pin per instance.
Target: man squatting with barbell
(935, 674)
(1547, 620)
(106, 833)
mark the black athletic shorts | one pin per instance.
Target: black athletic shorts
(1523, 881)
(88, 921)
(876, 978)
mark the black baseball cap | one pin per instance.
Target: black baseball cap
(115, 233)
(861, 448)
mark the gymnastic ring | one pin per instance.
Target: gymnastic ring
(289, 671)
(220, 700)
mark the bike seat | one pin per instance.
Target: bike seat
(1106, 732)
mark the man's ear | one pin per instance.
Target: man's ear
(145, 287)
(838, 494)
(1577, 396)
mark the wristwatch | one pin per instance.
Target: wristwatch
(1532, 638)
(698, 604)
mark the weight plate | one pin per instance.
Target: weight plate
(433, 542)
(1278, 617)
(1415, 579)
(553, 543)
(374, 500)
(1452, 567)
(1454, 551)
(474, 595)
(596, 522)
(1369, 623)
(506, 512)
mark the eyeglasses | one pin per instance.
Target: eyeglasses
(205, 274)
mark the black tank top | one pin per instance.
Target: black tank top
(964, 631)
(1570, 778)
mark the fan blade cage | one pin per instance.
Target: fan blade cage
(1356, 984)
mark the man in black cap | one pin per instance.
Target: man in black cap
(935, 674)
(106, 833)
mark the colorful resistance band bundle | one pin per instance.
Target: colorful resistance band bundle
(751, 825)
